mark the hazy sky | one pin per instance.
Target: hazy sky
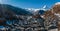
(30, 3)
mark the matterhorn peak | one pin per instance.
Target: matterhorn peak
(44, 6)
(58, 3)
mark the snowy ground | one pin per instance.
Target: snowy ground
(53, 29)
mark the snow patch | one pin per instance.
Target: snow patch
(57, 3)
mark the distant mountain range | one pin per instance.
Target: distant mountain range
(36, 11)
(8, 9)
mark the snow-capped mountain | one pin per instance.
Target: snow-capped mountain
(36, 11)
(32, 9)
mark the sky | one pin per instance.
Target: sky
(30, 3)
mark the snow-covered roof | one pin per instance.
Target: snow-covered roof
(57, 14)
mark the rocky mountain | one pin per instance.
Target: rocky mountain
(52, 17)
